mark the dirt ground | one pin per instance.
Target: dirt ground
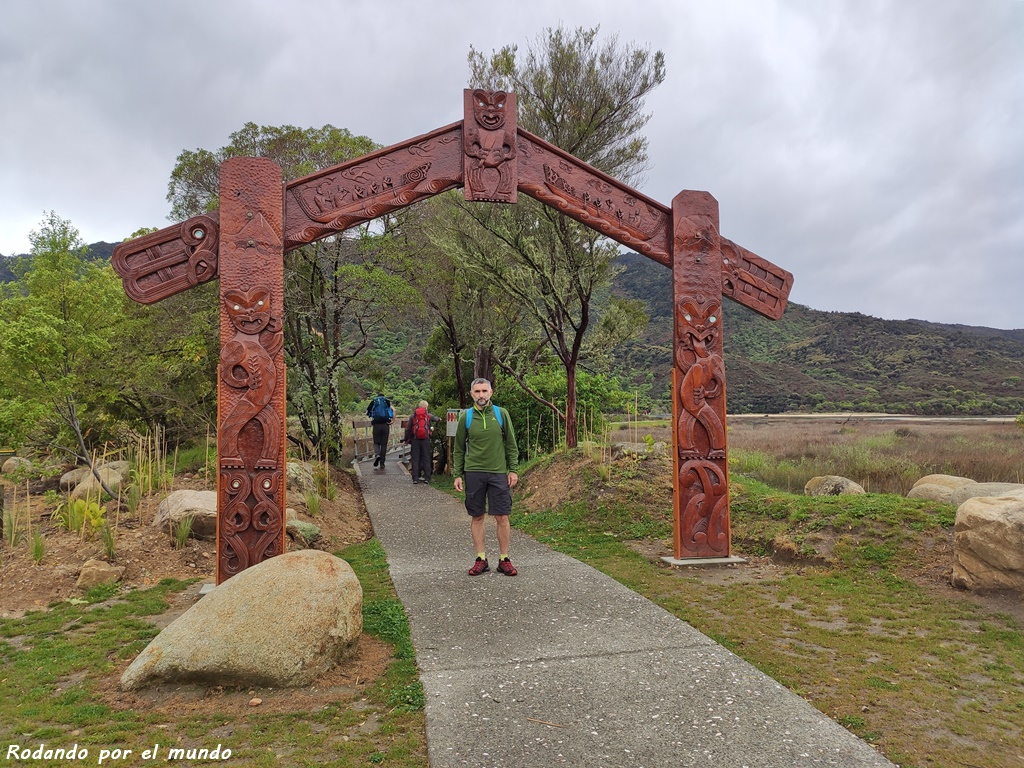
(146, 553)
(148, 556)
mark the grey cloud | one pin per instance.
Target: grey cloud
(871, 147)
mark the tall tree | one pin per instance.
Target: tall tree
(466, 306)
(338, 290)
(58, 323)
(587, 97)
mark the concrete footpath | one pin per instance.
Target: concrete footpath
(563, 666)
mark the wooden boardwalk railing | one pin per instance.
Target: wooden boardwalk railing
(362, 438)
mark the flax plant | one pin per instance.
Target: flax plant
(38, 546)
(181, 531)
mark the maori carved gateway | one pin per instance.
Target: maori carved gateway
(492, 159)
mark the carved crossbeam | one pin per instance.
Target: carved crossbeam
(329, 202)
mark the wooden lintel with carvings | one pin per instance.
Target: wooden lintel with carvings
(329, 202)
(556, 178)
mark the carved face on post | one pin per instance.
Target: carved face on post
(489, 109)
(698, 321)
(249, 311)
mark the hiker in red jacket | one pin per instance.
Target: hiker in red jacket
(417, 435)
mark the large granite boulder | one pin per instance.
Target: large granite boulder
(201, 506)
(113, 473)
(975, 490)
(831, 485)
(988, 544)
(281, 623)
(938, 487)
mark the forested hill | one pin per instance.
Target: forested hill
(812, 360)
(96, 252)
(6, 275)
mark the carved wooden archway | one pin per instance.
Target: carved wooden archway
(486, 153)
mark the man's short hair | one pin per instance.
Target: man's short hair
(423, 403)
(480, 381)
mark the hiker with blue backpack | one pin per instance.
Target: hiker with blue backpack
(381, 415)
(486, 464)
(417, 437)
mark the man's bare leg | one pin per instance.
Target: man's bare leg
(476, 527)
(504, 533)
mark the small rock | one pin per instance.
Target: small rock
(255, 702)
(831, 485)
(980, 490)
(96, 572)
(200, 506)
(305, 533)
(13, 464)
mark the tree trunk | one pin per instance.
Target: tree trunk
(453, 342)
(571, 428)
(483, 365)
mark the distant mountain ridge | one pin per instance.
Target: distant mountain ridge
(813, 360)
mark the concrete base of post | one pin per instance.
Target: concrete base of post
(702, 561)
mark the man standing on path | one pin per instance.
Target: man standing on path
(486, 460)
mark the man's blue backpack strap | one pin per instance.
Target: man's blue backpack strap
(497, 415)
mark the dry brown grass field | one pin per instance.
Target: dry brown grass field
(884, 454)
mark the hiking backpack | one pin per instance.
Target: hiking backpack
(379, 408)
(421, 426)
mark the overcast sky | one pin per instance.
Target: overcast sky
(874, 148)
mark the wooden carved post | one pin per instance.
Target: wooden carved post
(251, 379)
(701, 484)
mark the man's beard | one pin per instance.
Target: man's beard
(481, 402)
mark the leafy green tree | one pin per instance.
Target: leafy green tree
(537, 429)
(586, 97)
(169, 353)
(338, 294)
(339, 291)
(58, 323)
(473, 315)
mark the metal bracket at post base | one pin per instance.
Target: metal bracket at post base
(699, 561)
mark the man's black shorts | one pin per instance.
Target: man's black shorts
(491, 487)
